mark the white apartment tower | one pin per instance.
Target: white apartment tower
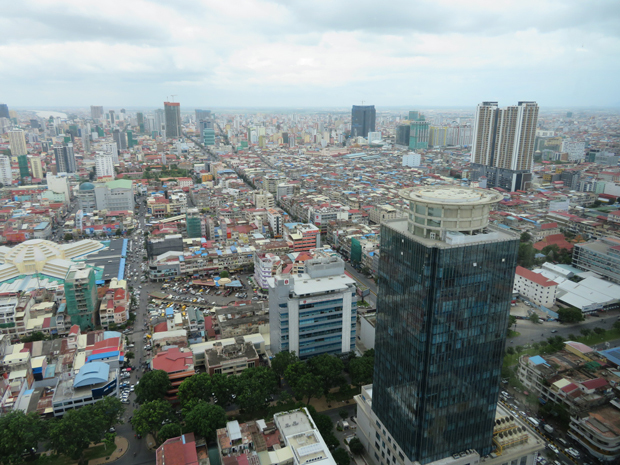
(104, 166)
(37, 167)
(17, 140)
(504, 137)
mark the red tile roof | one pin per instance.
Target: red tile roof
(535, 277)
(173, 360)
(557, 239)
(595, 383)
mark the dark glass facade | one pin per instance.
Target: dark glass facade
(362, 120)
(442, 315)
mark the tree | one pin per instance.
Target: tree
(344, 414)
(510, 350)
(68, 237)
(534, 317)
(308, 385)
(526, 237)
(281, 361)
(361, 370)
(119, 232)
(18, 432)
(328, 368)
(130, 356)
(254, 386)
(224, 274)
(205, 419)
(35, 336)
(570, 315)
(356, 446)
(75, 431)
(169, 430)
(617, 325)
(151, 416)
(512, 320)
(526, 255)
(341, 456)
(519, 349)
(153, 385)
(599, 330)
(223, 387)
(585, 331)
(109, 410)
(197, 387)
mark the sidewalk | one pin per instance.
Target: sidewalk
(122, 445)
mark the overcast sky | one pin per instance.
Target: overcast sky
(300, 53)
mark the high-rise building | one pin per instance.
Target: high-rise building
(85, 136)
(81, 295)
(96, 112)
(362, 120)
(112, 117)
(315, 312)
(194, 223)
(17, 141)
(402, 134)
(442, 310)
(37, 167)
(140, 119)
(4, 110)
(172, 112)
(120, 139)
(6, 172)
(22, 161)
(112, 149)
(65, 159)
(160, 119)
(418, 131)
(503, 144)
(208, 137)
(104, 166)
(202, 115)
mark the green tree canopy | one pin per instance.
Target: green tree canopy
(197, 387)
(534, 318)
(570, 315)
(18, 432)
(328, 368)
(224, 274)
(341, 456)
(75, 431)
(153, 385)
(356, 446)
(151, 416)
(526, 255)
(169, 430)
(223, 387)
(526, 237)
(361, 370)
(109, 410)
(205, 419)
(281, 361)
(254, 385)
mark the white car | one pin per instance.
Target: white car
(552, 448)
(573, 452)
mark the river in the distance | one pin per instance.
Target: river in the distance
(46, 114)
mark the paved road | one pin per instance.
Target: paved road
(370, 284)
(535, 332)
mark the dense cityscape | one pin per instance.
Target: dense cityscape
(191, 286)
(340, 232)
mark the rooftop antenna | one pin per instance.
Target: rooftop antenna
(173, 96)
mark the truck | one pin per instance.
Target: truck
(548, 429)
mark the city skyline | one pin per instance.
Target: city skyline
(287, 55)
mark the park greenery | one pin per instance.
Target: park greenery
(71, 435)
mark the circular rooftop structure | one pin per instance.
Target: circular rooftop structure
(437, 211)
(87, 186)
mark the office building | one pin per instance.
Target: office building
(112, 117)
(313, 313)
(6, 172)
(419, 131)
(202, 115)
(85, 136)
(65, 158)
(37, 167)
(96, 112)
(503, 144)
(22, 161)
(195, 223)
(576, 149)
(601, 256)
(17, 141)
(104, 167)
(4, 110)
(111, 148)
(140, 121)
(374, 138)
(112, 196)
(402, 135)
(172, 111)
(59, 184)
(362, 120)
(208, 137)
(81, 295)
(442, 310)
(119, 139)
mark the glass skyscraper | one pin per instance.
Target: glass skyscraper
(445, 284)
(362, 120)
